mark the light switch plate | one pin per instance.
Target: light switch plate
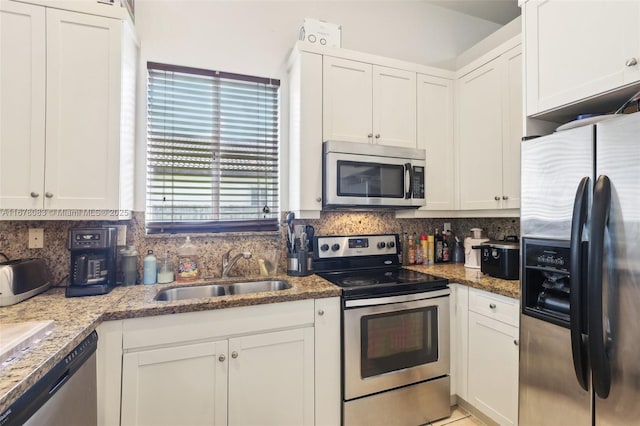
(447, 227)
(122, 235)
(36, 238)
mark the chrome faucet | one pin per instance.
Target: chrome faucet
(228, 264)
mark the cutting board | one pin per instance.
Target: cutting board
(17, 336)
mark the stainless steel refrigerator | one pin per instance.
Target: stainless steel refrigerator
(580, 319)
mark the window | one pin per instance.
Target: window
(212, 151)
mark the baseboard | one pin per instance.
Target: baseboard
(474, 411)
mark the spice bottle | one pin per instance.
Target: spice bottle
(188, 262)
(419, 253)
(412, 251)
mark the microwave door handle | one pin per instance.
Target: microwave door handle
(408, 189)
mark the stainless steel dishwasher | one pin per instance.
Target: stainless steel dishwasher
(65, 396)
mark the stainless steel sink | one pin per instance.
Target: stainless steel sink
(258, 286)
(194, 292)
(212, 290)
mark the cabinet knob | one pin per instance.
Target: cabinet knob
(221, 358)
(34, 195)
(370, 135)
(377, 135)
(497, 198)
(515, 342)
(318, 199)
(631, 62)
(321, 312)
(48, 195)
(492, 305)
(234, 354)
(505, 197)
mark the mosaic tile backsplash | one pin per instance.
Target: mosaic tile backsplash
(14, 238)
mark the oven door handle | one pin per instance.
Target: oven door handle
(374, 301)
(408, 189)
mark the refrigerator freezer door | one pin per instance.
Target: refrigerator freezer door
(552, 167)
(549, 391)
(618, 157)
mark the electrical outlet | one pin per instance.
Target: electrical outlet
(122, 235)
(36, 238)
(447, 227)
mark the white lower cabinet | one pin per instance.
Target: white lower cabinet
(184, 384)
(493, 356)
(274, 364)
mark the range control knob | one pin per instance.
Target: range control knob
(391, 244)
(324, 247)
(335, 247)
(381, 245)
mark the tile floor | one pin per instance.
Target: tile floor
(459, 417)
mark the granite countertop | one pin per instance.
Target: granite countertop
(75, 318)
(457, 273)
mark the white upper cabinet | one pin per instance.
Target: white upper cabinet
(347, 103)
(489, 134)
(82, 75)
(435, 135)
(22, 103)
(368, 103)
(575, 50)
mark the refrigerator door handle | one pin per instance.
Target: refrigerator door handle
(576, 307)
(597, 351)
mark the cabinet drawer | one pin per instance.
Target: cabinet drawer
(494, 306)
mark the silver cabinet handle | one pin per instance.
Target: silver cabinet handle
(318, 199)
(221, 358)
(370, 135)
(48, 195)
(377, 135)
(515, 342)
(234, 354)
(631, 62)
(497, 198)
(321, 312)
(34, 195)
(505, 197)
(492, 305)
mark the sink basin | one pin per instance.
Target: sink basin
(194, 292)
(258, 287)
(212, 290)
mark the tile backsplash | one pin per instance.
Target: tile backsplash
(14, 238)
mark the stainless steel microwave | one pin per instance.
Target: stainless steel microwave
(357, 175)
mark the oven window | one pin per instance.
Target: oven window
(356, 179)
(397, 340)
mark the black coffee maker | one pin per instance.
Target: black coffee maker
(93, 261)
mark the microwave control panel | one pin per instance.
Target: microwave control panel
(418, 182)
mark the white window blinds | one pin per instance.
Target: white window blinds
(212, 151)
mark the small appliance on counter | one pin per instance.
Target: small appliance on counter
(472, 250)
(21, 279)
(500, 259)
(94, 258)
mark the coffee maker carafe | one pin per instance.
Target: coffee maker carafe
(93, 261)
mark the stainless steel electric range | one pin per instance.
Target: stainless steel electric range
(395, 332)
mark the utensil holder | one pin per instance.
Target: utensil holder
(299, 264)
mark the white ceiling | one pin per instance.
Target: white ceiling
(498, 11)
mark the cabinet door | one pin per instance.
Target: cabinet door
(22, 100)
(347, 100)
(480, 138)
(511, 127)
(577, 50)
(83, 110)
(493, 368)
(394, 107)
(273, 373)
(435, 135)
(176, 386)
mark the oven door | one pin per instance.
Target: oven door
(354, 180)
(395, 341)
